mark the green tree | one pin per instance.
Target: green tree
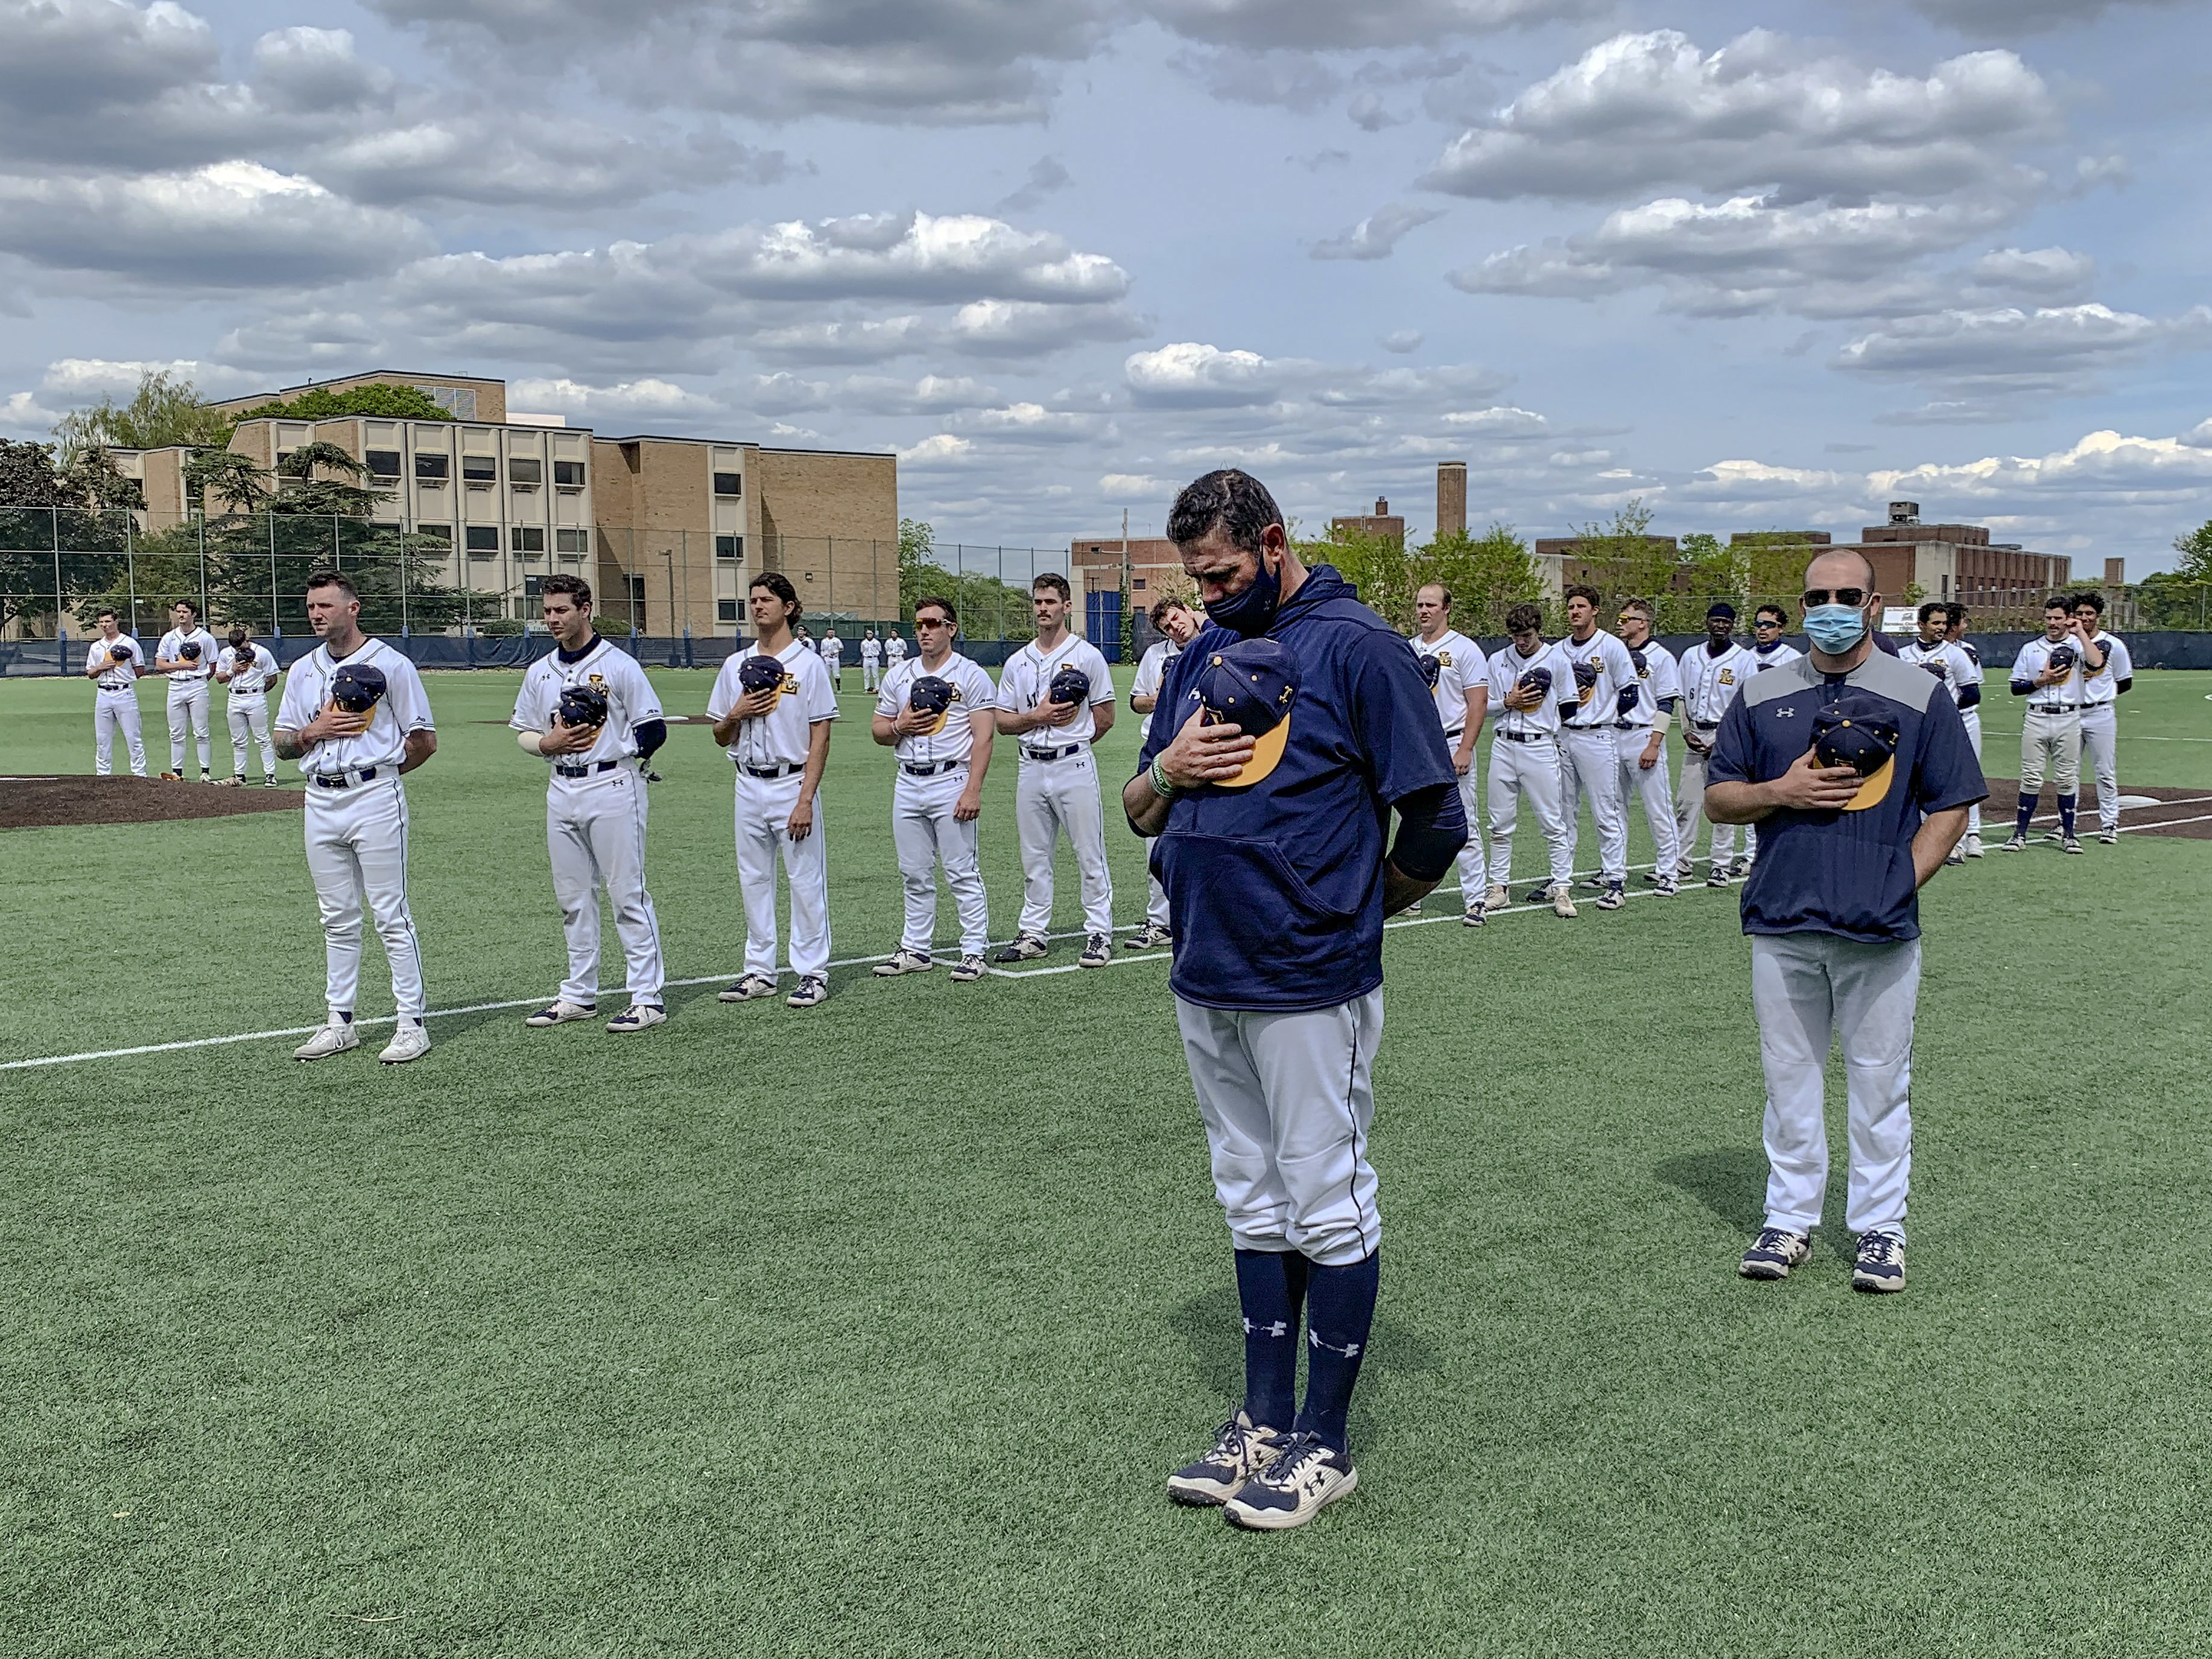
(1486, 575)
(305, 492)
(2196, 550)
(62, 531)
(401, 402)
(1380, 567)
(166, 409)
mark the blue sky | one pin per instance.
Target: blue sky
(1761, 267)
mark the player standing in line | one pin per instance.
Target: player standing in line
(833, 659)
(589, 709)
(1533, 684)
(1270, 824)
(1769, 650)
(1859, 768)
(936, 713)
(894, 652)
(1589, 742)
(186, 655)
(1179, 624)
(872, 661)
(772, 705)
(1933, 654)
(2048, 673)
(113, 662)
(1970, 709)
(249, 670)
(1058, 698)
(1647, 709)
(1461, 692)
(2107, 673)
(356, 717)
(1713, 676)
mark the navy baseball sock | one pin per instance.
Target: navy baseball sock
(2066, 816)
(1271, 1286)
(2025, 812)
(1342, 1308)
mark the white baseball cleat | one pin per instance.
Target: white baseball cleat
(560, 1012)
(1496, 899)
(1305, 1475)
(334, 1038)
(1473, 916)
(410, 1041)
(813, 991)
(1973, 846)
(970, 969)
(1097, 952)
(903, 961)
(1241, 1450)
(639, 1017)
(1563, 903)
(2110, 837)
(751, 988)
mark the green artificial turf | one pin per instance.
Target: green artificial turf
(874, 1329)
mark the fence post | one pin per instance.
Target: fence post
(54, 523)
(402, 556)
(130, 574)
(276, 623)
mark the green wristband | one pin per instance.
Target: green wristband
(1161, 786)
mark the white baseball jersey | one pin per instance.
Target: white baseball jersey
(1459, 669)
(1506, 668)
(252, 682)
(971, 689)
(778, 738)
(1971, 674)
(1943, 659)
(1602, 651)
(1763, 657)
(1710, 683)
(1657, 678)
(119, 677)
(895, 649)
(2104, 685)
(404, 707)
(2035, 659)
(833, 649)
(630, 699)
(1024, 681)
(1152, 673)
(872, 650)
(171, 647)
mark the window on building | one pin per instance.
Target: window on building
(572, 541)
(484, 539)
(570, 475)
(726, 610)
(729, 483)
(526, 469)
(527, 538)
(382, 463)
(433, 469)
(480, 469)
(460, 401)
(435, 533)
(729, 547)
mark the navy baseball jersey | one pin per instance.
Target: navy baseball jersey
(1844, 871)
(1277, 887)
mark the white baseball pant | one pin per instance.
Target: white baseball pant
(113, 711)
(1690, 812)
(1532, 768)
(2100, 748)
(1656, 790)
(1050, 796)
(189, 703)
(1589, 763)
(1288, 1100)
(763, 809)
(595, 837)
(927, 835)
(357, 854)
(1972, 717)
(1473, 882)
(1807, 989)
(1156, 902)
(870, 674)
(2052, 742)
(247, 716)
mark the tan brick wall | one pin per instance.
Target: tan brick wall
(831, 523)
(491, 395)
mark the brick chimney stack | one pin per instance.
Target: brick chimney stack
(1452, 498)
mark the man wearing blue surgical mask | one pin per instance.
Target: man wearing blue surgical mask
(1858, 772)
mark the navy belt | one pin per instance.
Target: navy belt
(586, 771)
(1706, 725)
(2054, 708)
(1525, 736)
(930, 771)
(1052, 754)
(772, 771)
(1456, 731)
(342, 780)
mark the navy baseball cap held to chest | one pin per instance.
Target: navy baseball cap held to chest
(1251, 685)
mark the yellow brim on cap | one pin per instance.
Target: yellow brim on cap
(935, 726)
(1873, 789)
(1266, 753)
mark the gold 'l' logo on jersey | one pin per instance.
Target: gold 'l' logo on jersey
(1728, 677)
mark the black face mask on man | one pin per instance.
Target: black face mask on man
(1252, 612)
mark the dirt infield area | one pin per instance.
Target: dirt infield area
(2143, 811)
(46, 803)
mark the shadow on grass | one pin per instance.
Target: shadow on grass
(1728, 1180)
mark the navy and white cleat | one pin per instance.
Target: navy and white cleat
(1303, 1477)
(1774, 1253)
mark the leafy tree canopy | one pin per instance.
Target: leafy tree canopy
(403, 402)
(166, 409)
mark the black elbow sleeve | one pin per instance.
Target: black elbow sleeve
(1431, 829)
(1969, 697)
(2021, 687)
(650, 735)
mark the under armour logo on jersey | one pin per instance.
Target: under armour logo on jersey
(1785, 712)
(1350, 1350)
(1278, 1329)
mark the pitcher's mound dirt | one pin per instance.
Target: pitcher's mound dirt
(2186, 813)
(46, 803)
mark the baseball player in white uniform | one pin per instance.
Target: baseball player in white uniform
(1712, 676)
(2107, 673)
(589, 710)
(113, 662)
(1970, 710)
(774, 726)
(249, 672)
(356, 717)
(186, 655)
(1590, 742)
(1461, 690)
(894, 651)
(1057, 721)
(936, 713)
(833, 659)
(1929, 652)
(872, 661)
(2048, 673)
(1528, 681)
(1641, 738)
(1768, 650)
(1181, 625)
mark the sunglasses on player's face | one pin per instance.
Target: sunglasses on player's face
(1853, 597)
(931, 621)
(1765, 625)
